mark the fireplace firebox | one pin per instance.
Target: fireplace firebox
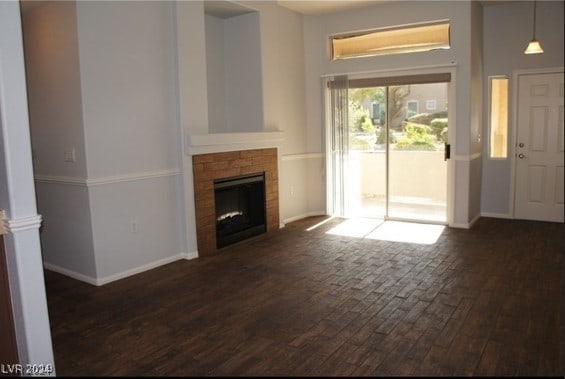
(240, 208)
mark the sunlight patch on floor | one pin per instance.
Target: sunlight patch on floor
(395, 231)
(355, 227)
(319, 224)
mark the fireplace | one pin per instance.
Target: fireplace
(213, 168)
(240, 208)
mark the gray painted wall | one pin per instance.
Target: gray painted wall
(507, 31)
(111, 95)
(56, 121)
(233, 59)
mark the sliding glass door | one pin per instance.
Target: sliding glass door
(417, 168)
(366, 190)
(392, 158)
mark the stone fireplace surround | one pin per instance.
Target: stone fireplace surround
(209, 167)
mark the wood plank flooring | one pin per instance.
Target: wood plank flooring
(481, 302)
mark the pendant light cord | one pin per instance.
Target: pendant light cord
(534, 31)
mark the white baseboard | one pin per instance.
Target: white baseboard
(137, 270)
(70, 273)
(496, 215)
(460, 226)
(189, 256)
(468, 225)
(120, 275)
(474, 220)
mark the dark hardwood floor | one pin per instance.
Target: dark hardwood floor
(485, 301)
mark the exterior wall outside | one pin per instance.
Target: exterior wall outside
(421, 95)
(372, 169)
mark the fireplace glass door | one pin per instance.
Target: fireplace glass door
(240, 208)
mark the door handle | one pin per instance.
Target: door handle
(521, 156)
(447, 152)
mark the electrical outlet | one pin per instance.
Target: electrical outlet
(291, 189)
(70, 155)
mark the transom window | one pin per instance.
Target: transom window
(394, 40)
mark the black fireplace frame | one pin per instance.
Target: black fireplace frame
(239, 184)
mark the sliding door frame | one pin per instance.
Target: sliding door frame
(451, 114)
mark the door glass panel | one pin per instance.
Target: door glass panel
(417, 171)
(366, 164)
(394, 153)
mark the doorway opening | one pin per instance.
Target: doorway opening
(389, 148)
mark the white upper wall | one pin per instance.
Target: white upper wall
(270, 42)
(128, 73)
(476, 127)
(476, 78)
(507, 31)
(191, 68)
(52, 66)
(291, 102)
(269, 80)
(318, 29)
(244, 97)
(261, 77)
(233, 60)
(216, 73)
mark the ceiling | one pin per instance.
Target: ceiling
(329, 6)
(223, 8)
(322, 6)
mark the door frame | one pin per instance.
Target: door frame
(516, 74)
(451, 114)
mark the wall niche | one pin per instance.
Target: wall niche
(233, 64)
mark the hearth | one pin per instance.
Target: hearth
(240, 208)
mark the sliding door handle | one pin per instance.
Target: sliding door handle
(447, 152)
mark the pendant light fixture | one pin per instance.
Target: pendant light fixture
(534, 46)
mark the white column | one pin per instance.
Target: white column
(17, 197)
(192, 98)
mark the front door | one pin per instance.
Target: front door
(539, 148)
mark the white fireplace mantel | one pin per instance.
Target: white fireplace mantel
(223, 142)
